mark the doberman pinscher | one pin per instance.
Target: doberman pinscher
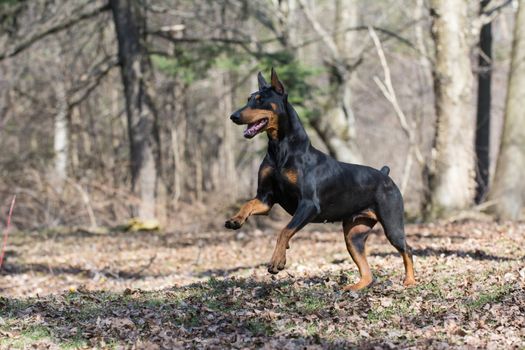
(314, 187)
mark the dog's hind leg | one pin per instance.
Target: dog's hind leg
(390, 214)
(356, 232)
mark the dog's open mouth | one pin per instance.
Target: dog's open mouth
(255, 128)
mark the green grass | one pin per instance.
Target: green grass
(489, 297)
(76, 343)
(27, 337)
(8, 307)
(304, 310)
(260, 328)
(312, 303)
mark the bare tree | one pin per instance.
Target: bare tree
(508, 189)
(335, 123)
(483, 107)
(410, 131)
(136, 74)
(115, 139)
(452, 170)
(61, 136)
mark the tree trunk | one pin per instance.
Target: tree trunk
(179, 129)
(483, 112)
(136, 74)
(341, 114)
(198, 162)
(227, 151)
(335, 123)
(508, 190)
(337, 130)
(61, 139)
(452, 170)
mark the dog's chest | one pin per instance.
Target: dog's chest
(288, 191)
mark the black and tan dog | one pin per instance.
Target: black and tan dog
(314, 187)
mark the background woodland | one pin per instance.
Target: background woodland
(117, 109)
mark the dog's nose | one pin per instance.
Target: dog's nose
(236, 117)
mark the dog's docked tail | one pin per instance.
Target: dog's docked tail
(385, 170)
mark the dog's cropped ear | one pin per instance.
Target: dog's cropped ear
(276, 83)
(262, 82)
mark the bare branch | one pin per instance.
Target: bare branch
(30, 40)
(153, 8)
(497, 8)
(487, 16)
(167, 35)
(388, 91)
(325, 36)
(385, 31)
(89, 82)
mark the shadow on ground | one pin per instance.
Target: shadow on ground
(216, 314)
(476, 254)
(55, 270)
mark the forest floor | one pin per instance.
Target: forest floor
(145, 290)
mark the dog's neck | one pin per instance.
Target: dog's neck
(291, 137)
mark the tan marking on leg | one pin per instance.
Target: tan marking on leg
(291, 175)
(351, 228)
(278, 260)
(409, 269)
(253, 207)
(265, 172)
(365, 214)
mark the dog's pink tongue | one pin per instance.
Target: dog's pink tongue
(252, 129)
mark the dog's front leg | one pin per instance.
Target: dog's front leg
(305, 212)
(253, 207)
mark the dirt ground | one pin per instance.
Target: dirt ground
(78, 289)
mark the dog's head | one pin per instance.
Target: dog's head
(263, 109)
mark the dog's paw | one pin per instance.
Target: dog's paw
(277, 265)
(409, 281)
(233, 224)
(362, 284)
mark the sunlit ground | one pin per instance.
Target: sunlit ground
(80, 289)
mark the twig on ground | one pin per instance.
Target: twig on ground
(6, 231)
(145, 267)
